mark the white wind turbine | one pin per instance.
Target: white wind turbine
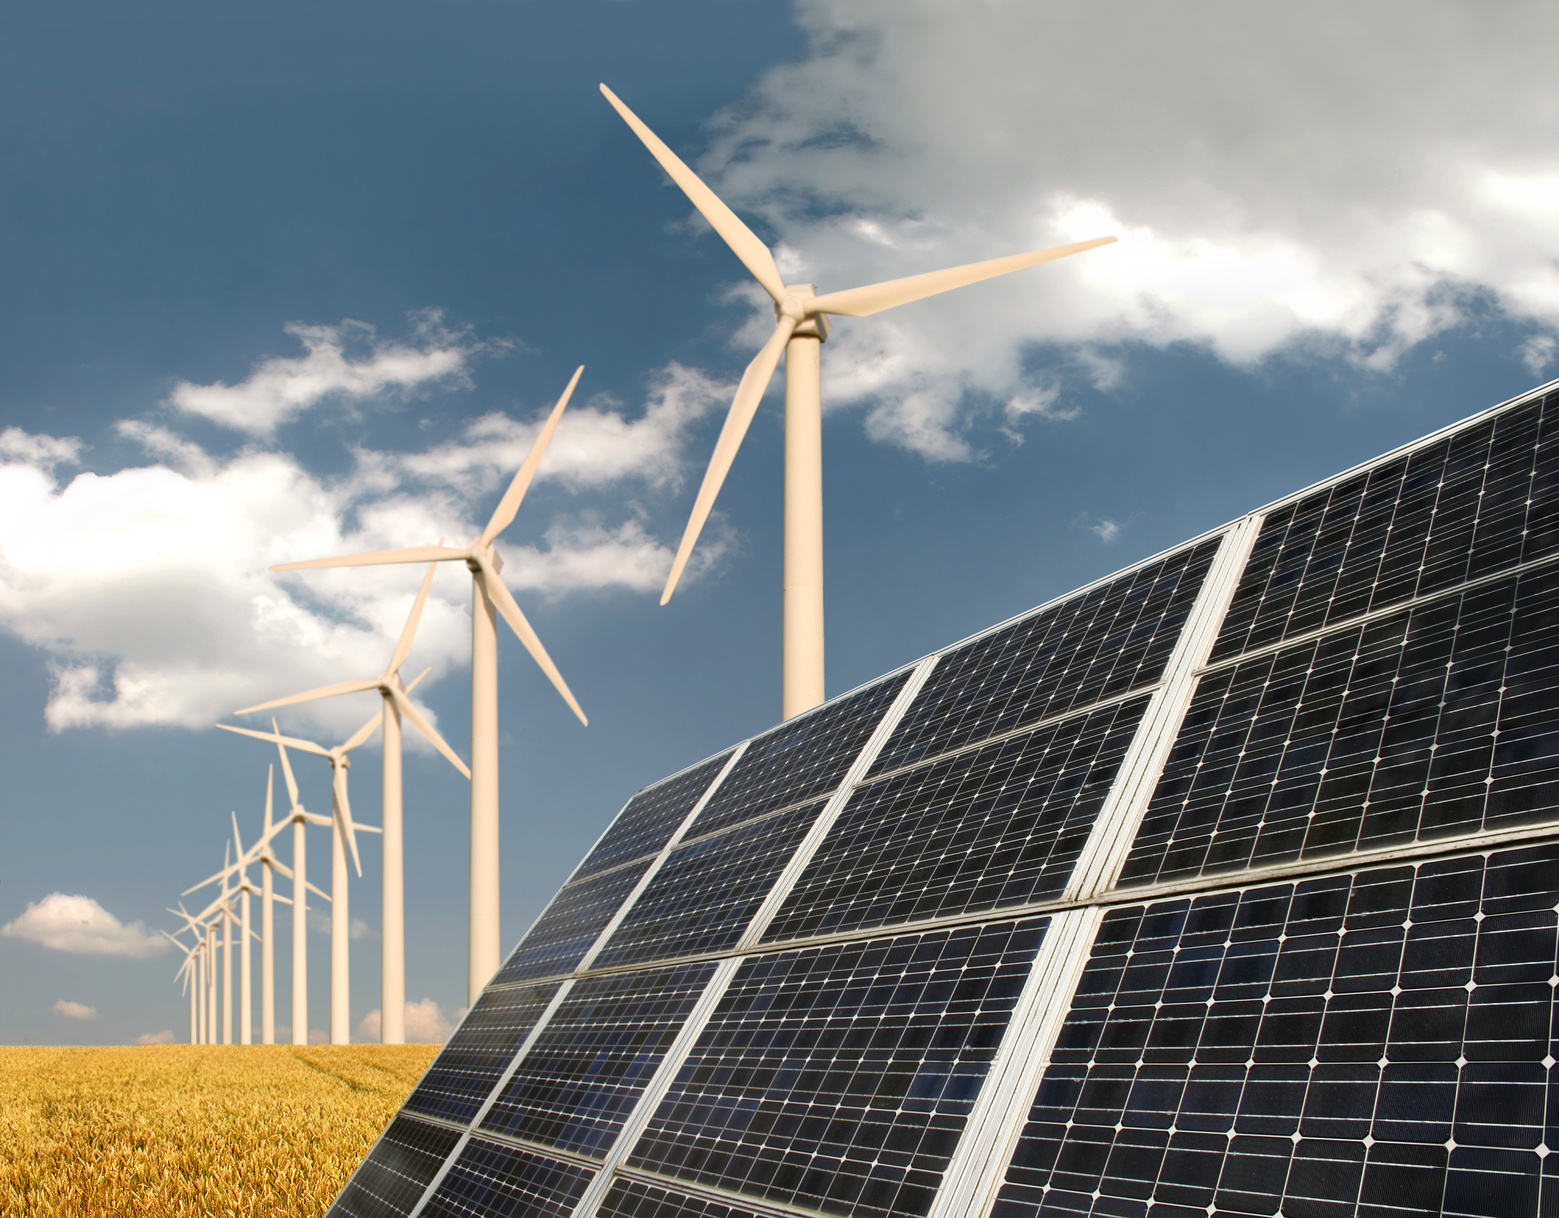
(260, 852)
(189, 971)
(489, 597)
(801, 325)
(392, 974)
(343, 838)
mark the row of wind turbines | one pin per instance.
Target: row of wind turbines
(801, 326)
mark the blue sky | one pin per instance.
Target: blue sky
(284, 280)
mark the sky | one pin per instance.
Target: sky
(283, 280)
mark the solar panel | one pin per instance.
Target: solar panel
(1227, 884)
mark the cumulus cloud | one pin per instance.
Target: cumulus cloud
(426, 1023)
(80, 924)
(1335, 177)
(595, 444)
(67, 1009)
(149, 588)
(347, 362)
(165, 1037)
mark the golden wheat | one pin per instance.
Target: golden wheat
(182, 1130)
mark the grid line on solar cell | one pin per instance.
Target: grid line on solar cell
(391, 1180)
(570, 925)
(1376, 1040)
(1108, 641)
(587, 1067)
(1000, 825)
(804, 757)
(706, 892)
(648, 820)
(840, 1077)
(490, 1178)
(1434, 721)
(632, 1198)
(470, 1064)
(1464, 505)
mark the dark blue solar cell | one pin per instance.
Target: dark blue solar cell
(470, 1064)
(570, 925)
(651, 817)
(491, 1178)
(397, 1171)
(1433, 721)
(1458, 508)
(588, 1066)
(1105, 642)
(802, 758)
(639, 1199)
(1402, 1040)
(707, 891)
(993, 826)
(840, 1077)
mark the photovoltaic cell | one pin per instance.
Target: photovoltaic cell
(651, 817)
(840, 1077)
(391, 1180)
(1108, 641)
(490, 1178)
(1473, 503)
(637, 1199)
(469, 1066)
(802, 758)
(588, 1066)
(1378, 1044)
(707, 891)
(570, 925)
(993, 826)
(1436, 720)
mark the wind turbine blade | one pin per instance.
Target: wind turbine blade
(314, 890)
(420, 722)
(409, 630)
(744, 244)
(510, 503)
(374, 558)
(362, 733)
(237, 837)
(342, 810)
(324, 691)
(286, 874)
(209, 880)
(308, 746)
(748, 394)
(418, 677)
(861, 302)
(286, 770)
(511, 613)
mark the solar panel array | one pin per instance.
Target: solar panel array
(1227, 884)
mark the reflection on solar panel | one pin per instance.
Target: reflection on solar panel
(1225, 885)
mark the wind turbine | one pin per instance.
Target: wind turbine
(342, 838)
(800, 326)
(187, 970)
(392, 972)
(489, 597)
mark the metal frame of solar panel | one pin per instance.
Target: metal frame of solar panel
(1227, 884)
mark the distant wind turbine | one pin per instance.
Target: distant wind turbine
(800, 326)
(392, 973)
(343, 837)
(489, 597)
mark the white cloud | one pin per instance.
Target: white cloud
(67, 1009)
(149, 590)
(595, 444)
(282, 387)
(80, 924)
(165, 1037)
(41, 452)
(361, 930)
(426, 1023)
(1337, 176)
(1105, 530)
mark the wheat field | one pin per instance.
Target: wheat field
(162, 1130)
